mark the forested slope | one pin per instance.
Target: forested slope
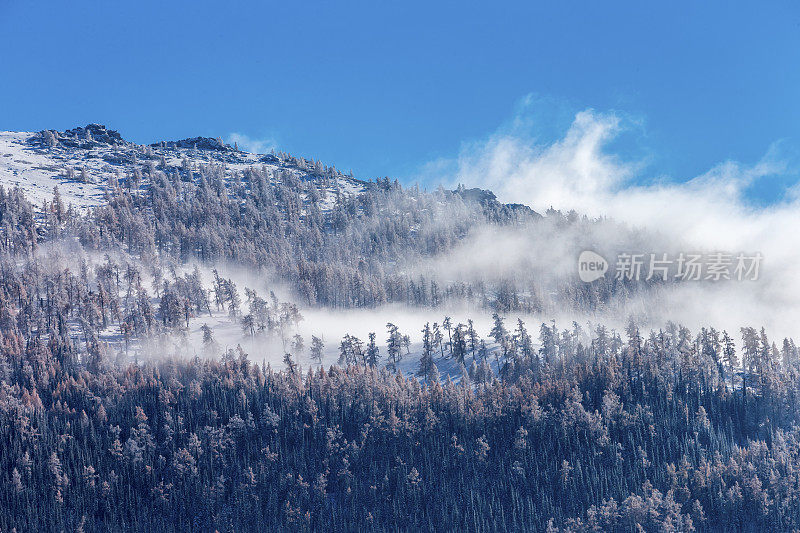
(111, 419)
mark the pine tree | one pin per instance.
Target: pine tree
(317, 347)
(447, 324)
(393, 346)
(297, 345)
(472, 336)
(498, 332)
(438, 339)
(373, 354)
(427, 368)
(729, 359)
(458, 344)
(291, 366)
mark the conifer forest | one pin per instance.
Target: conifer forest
(171, 359)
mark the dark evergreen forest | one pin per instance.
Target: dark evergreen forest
(556, 429)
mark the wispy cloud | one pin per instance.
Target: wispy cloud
(711, 212)
(249, 144)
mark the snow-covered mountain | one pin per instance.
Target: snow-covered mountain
(82, 161)
(352, 254)
(156, 312)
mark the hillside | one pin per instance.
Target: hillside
(305, 215)
(196, 338)
(81, 161)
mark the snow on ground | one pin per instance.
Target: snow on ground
(37, 170)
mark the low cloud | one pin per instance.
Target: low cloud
(711, 212)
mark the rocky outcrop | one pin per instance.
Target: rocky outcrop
(81, 137)
(199, 143)
(493, 208)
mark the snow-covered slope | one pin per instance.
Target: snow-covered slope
(37, 171)
(80, 162)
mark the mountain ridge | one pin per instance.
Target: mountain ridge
(97, 141)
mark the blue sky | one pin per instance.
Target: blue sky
(383, 88)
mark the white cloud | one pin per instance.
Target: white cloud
(254, 146)
(710, 212)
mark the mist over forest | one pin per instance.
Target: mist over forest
(195, 337)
